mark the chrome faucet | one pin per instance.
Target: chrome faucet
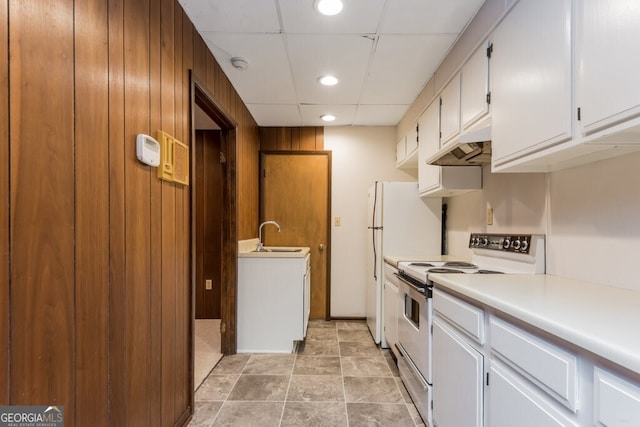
(260, 248)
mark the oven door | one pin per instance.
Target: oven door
(414, 327)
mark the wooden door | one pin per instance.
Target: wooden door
(295, 193)
(209, 207)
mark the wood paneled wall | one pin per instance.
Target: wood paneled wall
(95, 286)
(292, 138)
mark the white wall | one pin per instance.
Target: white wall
(590, 215)
(360, 156)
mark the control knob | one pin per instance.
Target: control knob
(516, 244)
(485, 241)
(506, 243)
(525, 245)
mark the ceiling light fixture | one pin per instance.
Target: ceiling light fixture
(328, 7)
(239, 63)
(328, 117)
(328, 80)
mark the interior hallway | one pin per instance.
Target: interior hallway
(338, 377)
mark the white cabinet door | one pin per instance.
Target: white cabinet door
(401, 150)
(474, 103)
(531, 79)
(608, 62)
(412, 141)
(450, 111)
(428, 176)
(512, 403)
(390, 307)
(457, 379)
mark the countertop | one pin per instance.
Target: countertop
(395, 259)
(600, 319)
(246, 249)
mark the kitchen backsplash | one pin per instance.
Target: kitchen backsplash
(589, 214)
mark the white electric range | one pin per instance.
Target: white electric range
(492, 254)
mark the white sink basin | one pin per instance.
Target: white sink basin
(276, 252)
(279, 250)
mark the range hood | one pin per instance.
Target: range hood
(472, 148)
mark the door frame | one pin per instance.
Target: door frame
(229, 271)
(263, 153)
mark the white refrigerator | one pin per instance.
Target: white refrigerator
(401, 224)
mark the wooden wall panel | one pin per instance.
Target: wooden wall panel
(92, 213)
(42, 203)
(117, 254)
(156, 27)
(184, 312)
(4, 205)
(137, 210)
(310, 138)
(98, 243)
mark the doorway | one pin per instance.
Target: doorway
(295, 192)
(213, 232)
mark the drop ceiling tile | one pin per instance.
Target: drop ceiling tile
(428, 17)
(402, 65)
(379, 115)
(275, 115)
(357, 16)
(267, 79)
(236, 16)
(344, 56)
(311, 114)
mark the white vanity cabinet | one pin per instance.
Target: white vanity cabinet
(607, 73)
(441, 181)
(390, 307)
(531, 81)
(273, 303)
(458, 362)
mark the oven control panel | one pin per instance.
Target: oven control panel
(518, 243)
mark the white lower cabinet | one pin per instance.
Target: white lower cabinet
(457, 379)
(511, 402)
(458, 362)
(616, 400)
(391, 305)
(273, 303)
(494, 372)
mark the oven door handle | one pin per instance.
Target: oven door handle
(427, 294)
(414, 369)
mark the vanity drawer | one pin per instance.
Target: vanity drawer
(466, 317)
(548, 366)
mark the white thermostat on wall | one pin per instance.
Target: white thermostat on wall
(148, 150)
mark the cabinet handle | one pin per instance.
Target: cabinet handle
(321, 247)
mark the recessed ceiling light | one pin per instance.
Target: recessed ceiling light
(328, 117)
(328, 7)
(328, 80)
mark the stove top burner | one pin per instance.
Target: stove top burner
(489, 272)
(421, 264)
(460, 264)
(443, 270)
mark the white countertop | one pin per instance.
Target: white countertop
(601, 319)
(246, 249)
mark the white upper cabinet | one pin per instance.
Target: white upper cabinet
(531, 80)
(474, 91)
(441, 181)
(407, 149)
(450, 111)
(608, 62)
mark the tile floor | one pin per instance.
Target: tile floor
(338, 377)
